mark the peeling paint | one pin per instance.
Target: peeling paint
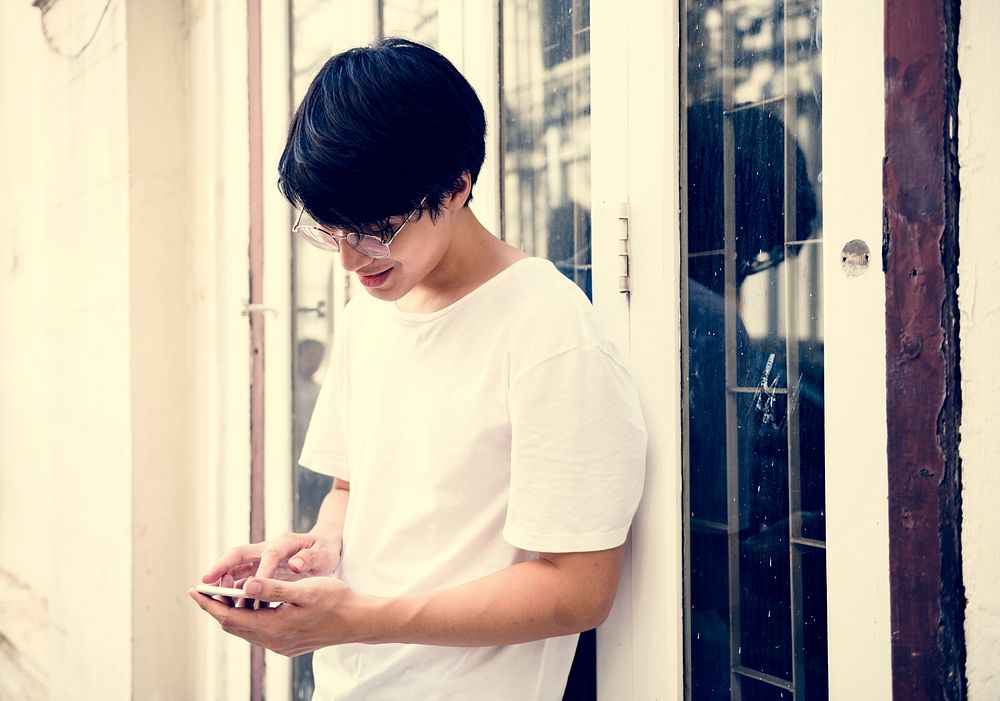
(979, 306)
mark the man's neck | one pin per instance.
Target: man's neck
(474, 256)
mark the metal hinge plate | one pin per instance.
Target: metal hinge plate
(624, 285)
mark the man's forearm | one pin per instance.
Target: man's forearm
(333, 511)
(528, 601)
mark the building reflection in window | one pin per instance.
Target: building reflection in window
(755, 619)
(545, 68)
(413, 19)
(545, 166)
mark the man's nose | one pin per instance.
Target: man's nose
(351, 258)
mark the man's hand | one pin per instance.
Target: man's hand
(289, 557)
(313, 613)
(556, 594)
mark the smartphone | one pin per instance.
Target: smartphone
(220, 591)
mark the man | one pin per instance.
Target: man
(485, 439)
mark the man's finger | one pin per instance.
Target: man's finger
(234, 620)
(210, 604)
(301, 561)
(236, 562)
(271, 590)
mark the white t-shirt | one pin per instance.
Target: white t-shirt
(473, 437)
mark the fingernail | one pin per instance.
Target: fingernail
(253, 588)
(297, 563)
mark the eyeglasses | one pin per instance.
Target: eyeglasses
(366, 244)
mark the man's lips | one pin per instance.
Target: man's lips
(374, 279)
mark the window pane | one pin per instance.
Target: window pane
(753, 353)
(413, 19)
(546, 132)
(765, 620)
(545, 165)
(314, 25)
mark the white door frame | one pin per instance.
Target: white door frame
(635, 107)
(856, 461)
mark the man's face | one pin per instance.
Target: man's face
(417, 257)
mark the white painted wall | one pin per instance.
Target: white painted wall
(124, 448)
(65, 423)
(979, 308)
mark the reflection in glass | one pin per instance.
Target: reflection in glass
(413, 19)
(319, 286)
(313, 24)
(753, 358)
(545, 166)
(546, 132)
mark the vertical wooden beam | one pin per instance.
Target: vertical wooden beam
(256, 316)
(920, 254)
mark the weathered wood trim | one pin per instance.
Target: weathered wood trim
(920, 254)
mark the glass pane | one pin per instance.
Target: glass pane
(318, 284)
(709, 612)
(816, 683)
(765, 617)
(546, 132)
(754, 690)
(545, 165)
(806, 263)
(753, 355)
(706, 384)
(413, 19)
(314, 278)
(758, 63)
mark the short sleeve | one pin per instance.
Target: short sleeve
(325, 447)
(578, 447)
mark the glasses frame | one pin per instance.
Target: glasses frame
(329, 241)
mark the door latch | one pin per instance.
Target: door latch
(249, 308)
(319, 309)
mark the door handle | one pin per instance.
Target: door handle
(319, 309)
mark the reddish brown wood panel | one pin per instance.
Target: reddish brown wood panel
(256, 172)
(920, 249)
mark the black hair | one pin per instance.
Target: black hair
(380, 129)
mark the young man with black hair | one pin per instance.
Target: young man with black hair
(485, 438)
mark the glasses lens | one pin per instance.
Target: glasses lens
(370, 246)
(319, 238)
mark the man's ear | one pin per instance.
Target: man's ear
(456, 200)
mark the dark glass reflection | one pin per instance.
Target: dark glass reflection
(754, 472)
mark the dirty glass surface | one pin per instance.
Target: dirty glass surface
(755, 558)
(545, 103)
(313, 23)
(545, 166)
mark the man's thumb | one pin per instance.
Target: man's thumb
(304, 560)
(270, 590)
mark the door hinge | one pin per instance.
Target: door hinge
(623, 262)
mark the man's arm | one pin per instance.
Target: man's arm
(333, 509)
(291, 555)
(329, 529)
(558, 594)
